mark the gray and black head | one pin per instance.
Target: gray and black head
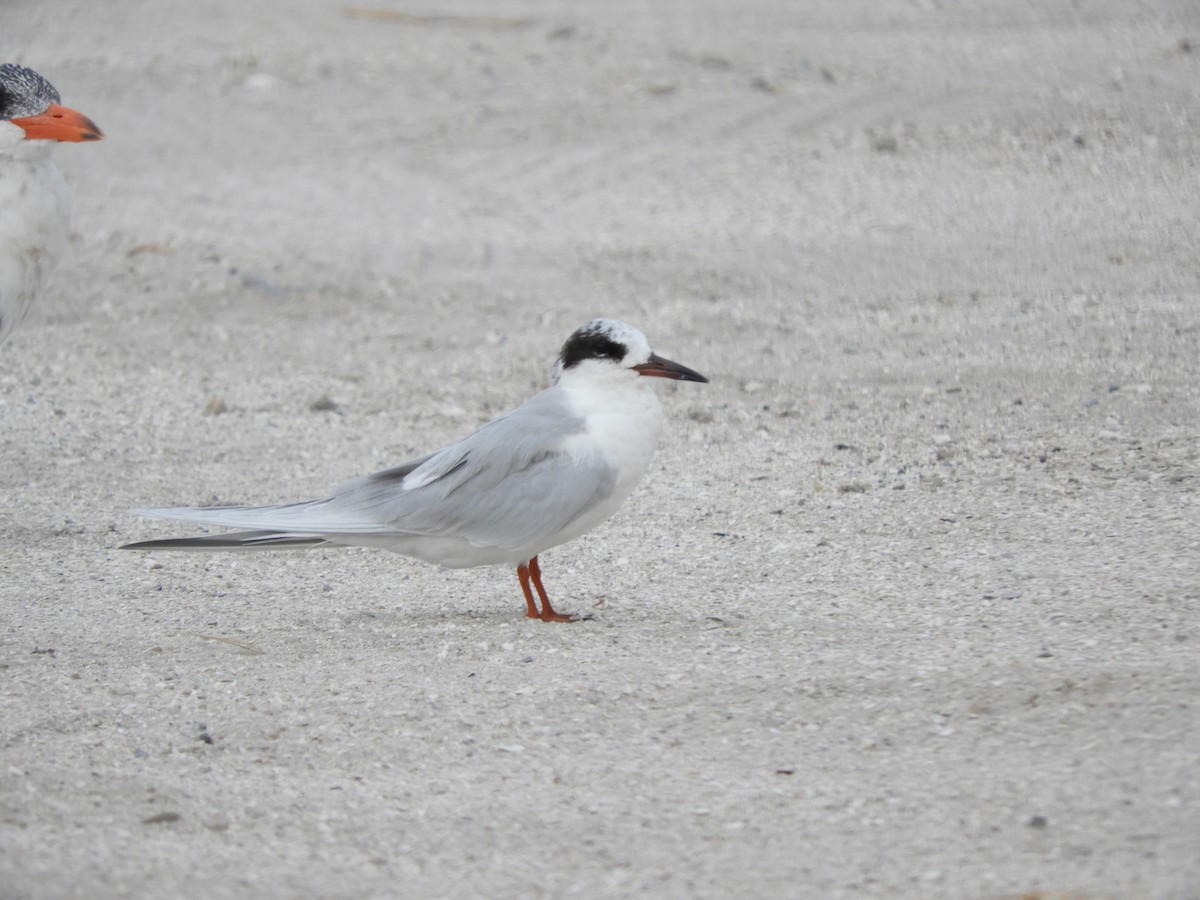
(31, 110)
(23, 92)
(613, 344)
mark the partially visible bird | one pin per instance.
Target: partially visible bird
(35, 202)
(542, 475)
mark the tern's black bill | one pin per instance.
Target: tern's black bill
(658, 367)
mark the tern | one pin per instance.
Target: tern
(539, 476)
(35, 202)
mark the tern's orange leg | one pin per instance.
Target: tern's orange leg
(531, 610)
(548, 613)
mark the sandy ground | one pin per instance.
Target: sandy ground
(909, 604)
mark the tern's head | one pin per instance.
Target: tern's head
(30, 111)
(605, 348)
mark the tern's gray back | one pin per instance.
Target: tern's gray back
(507, 484)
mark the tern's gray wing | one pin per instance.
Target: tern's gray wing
(507, 484)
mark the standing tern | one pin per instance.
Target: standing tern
(35, 202)
(542, 475)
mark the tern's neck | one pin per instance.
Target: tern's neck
(23, 151)
(611, 397)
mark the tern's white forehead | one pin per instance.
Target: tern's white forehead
(604, 340)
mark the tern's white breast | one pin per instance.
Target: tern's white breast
(35, 208)
(622, 429)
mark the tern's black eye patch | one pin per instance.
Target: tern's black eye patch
(590, 345)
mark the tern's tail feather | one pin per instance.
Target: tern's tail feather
(235, 540)
(309, 518)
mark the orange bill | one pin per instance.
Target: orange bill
(59, 123)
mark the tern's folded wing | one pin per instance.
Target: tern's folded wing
(507, 484)
(510, 484)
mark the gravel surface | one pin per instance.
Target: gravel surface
(909, 603)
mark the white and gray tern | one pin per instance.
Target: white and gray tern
(539, 476)
(35, 202)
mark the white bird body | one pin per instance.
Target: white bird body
(539, 476)
(35, 201)
(35, 214)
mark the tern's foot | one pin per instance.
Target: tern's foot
(551, 615)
